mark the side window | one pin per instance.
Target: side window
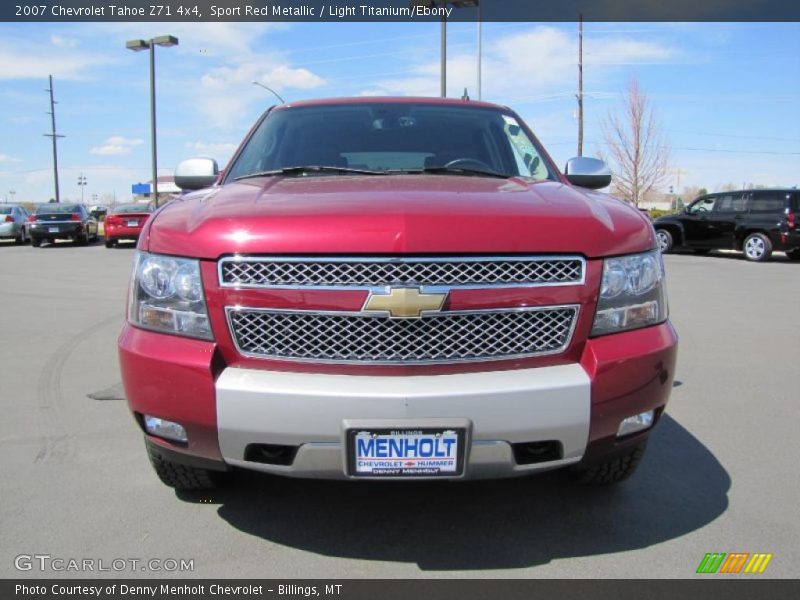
(768, 202)
(731, 203)
(703, 205)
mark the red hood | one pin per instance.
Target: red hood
(402, 214)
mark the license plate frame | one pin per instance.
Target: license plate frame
(133, 223)
(53, 230)
(405, 471)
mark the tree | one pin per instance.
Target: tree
(638, 153)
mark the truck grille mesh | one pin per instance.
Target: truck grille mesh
(370, 272)
(445, 337)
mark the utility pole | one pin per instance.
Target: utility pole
(54, 136)
(579, 95)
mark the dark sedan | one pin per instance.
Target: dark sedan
(51, 222)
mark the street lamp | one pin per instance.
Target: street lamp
(138, 46)
(12, 192)
(269, 89)
(443, 42)
(82, 183)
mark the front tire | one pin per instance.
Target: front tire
(665, 241)
(757, 247)
(614, 470)
(180, 477)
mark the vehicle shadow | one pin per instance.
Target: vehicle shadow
(777, 257)
(514, 523)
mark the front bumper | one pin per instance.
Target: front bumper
(225, 409)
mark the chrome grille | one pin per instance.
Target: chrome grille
(373, 272)
(456, 336)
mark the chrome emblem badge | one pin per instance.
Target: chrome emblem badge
(405, 302)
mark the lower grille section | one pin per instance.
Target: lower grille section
(438, 338)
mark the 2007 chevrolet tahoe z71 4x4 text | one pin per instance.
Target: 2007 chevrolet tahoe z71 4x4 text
(396, 288)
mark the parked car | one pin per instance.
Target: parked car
(125, 222)
(55, 221)
(13, 223)
(98, 211)
(754, 221)
(396, 288)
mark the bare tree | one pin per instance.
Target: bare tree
(638, 153)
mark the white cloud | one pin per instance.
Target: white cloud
(539, 62)
(23, 58)
(221, 151)
(116, 145)
(5, 158)
(63, 42)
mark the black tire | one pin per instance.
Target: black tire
(614, 470)
(83, 239)
(702, 250)
(35, 242)
(110, 243)
(757, 247)
(181, 477)
(665, 241)
(793, 254)
(19, 241)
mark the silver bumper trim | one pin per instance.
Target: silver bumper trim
(311, 411)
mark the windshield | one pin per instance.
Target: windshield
(391, 137)
(48, 209)
(132, 208)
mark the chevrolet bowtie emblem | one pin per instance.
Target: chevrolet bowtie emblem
(404, 303)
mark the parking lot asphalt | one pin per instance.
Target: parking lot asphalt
(720, 474)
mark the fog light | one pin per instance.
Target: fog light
(162, 428)
(636, 423)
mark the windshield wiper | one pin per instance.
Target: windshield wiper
(302, 170)
(454, 171)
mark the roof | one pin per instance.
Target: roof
(393, 100)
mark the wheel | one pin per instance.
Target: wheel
(180, 477)
(82, 239)
(616, 469)
(36, 242)
(20, 240)
(757, 247)
(665, 241)
(110, 243)
(702, 250)
(793, 254)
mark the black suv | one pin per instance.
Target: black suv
(754, 221)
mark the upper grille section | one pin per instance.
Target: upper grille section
(270, 272)
(440, 338)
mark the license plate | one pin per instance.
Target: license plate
(52, 230)
(133, 223)
(406, 452)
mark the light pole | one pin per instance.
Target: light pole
(269, 89)
(138, 46)
(12, 192)
(443, 36)
(82, 183)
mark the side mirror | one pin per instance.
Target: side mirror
(196, 173)
(587, 172)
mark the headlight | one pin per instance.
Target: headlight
(166, 295)
(632, 293)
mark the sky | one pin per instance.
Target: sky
(727, 96)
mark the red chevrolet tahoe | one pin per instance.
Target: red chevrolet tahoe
(396, 288)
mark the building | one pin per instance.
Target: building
(166, 188)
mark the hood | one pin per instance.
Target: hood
(397, 214)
